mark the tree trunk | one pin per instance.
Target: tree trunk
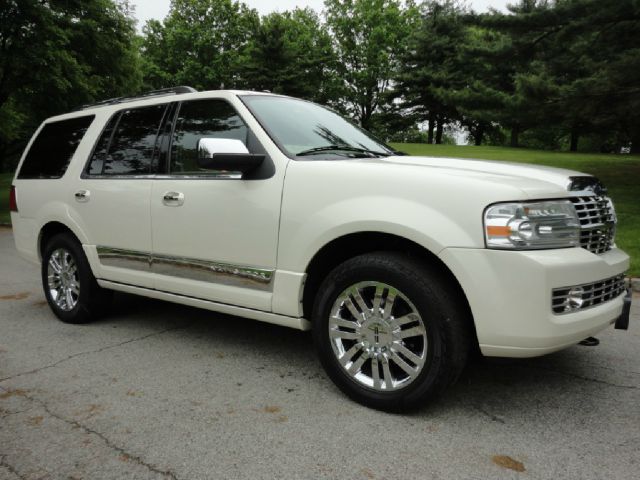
(575, 135)
(439, 131)
(515, 131)
(635, 142)
(478, 135)
(432, 126)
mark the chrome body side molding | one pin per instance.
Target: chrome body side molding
(274, 318)
(188, 268)
(117, 257)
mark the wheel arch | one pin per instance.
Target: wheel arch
(48, 231)
(348, 246)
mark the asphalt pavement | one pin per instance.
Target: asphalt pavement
(157, 390)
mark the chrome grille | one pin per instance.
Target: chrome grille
(597, 222)
(587, 295)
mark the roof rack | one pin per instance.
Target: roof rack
(153, 93)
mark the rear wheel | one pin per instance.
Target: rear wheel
(69, 285)
(390, 332)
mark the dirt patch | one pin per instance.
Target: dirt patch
(13, 393)
(271, 409)
(90, 411)
(15, 296)
(505, 461)
(35, 421)
(367, 473)
(40, 303)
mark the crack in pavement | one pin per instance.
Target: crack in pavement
(90, 352)
(11, 468)
(578, 376)
(109, 443)
(494, 418)
(8, 414)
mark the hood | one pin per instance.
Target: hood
(535, 181)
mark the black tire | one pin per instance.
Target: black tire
(92, 300)
(443, 312)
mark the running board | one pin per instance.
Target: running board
(274, 318)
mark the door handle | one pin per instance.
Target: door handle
(82, 196)
(173, 199)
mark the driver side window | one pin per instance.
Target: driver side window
(197, 119)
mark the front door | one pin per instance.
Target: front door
(214, 234)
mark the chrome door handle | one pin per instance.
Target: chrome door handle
(82, 196)
(173, 199)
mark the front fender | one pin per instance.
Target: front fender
(302, 237)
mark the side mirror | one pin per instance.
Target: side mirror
(226, 154)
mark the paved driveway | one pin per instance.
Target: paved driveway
(164, 391)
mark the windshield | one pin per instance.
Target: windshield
(302, 128)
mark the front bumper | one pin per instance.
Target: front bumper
(509, 293)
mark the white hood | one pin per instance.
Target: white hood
(534, 180)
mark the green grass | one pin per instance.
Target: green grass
(5, 182)
(621, 175)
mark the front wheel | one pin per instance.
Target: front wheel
(69, 285)
(390, 331)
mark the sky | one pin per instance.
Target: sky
(158, 9)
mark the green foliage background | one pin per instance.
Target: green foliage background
(550, 74)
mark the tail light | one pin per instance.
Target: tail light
(13, 204)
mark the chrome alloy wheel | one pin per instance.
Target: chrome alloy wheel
(378, 336)
(62, 274)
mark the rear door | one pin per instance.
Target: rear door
(113, 195)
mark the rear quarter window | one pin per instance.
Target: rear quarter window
(53, 148)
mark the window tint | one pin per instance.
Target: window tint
(100, 152)
(130, 148)
(202, 119)
(53, 148)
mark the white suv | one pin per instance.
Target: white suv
(279, 210)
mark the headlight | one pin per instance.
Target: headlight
(532, 225)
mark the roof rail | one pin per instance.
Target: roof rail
(153, 93)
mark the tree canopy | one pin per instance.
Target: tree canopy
(545, 73)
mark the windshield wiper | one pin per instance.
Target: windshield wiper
(340, 148)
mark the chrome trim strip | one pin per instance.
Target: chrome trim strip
(188, 268)
(120, 258)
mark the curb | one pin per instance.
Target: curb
(633, 284)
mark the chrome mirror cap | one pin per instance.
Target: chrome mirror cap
(208, 147)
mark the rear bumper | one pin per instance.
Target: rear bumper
(510, 296)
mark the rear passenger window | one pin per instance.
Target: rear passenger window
(128, 143)
(53, 148)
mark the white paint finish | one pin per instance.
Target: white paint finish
(287, 293)
(510, 295)
(436, 204)
(222, 220)
(282, 320)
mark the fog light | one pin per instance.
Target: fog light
(574, 299)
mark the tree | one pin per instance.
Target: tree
(57, 55)
(369, 37)
(430, 68)
(587, 73)
(198, 44)
(291, 53)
